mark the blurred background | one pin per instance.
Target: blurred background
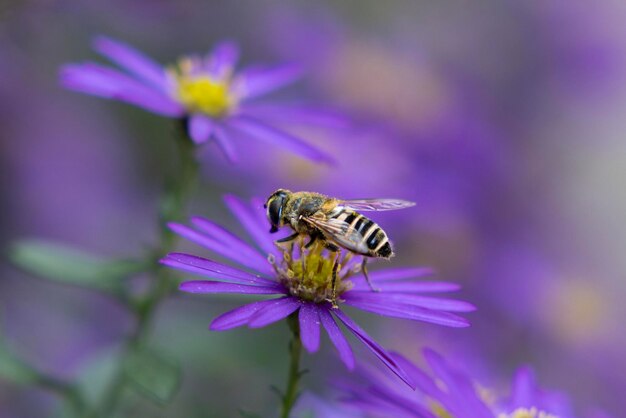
(503, 120)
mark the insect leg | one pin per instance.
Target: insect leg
(367, 277)
(334, 279)
(287, 239)
(311, 241)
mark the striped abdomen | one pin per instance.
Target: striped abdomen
(362, 235)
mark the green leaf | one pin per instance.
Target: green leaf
(13, 369)
(153, 374)
(64, 264)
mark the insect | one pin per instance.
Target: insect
(333, 221)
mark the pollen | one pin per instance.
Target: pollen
(527, 413)
(308, 273)
(200, 92)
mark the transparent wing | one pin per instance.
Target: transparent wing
(340, 233)
(376, 204)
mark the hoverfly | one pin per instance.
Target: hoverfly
(335, 222)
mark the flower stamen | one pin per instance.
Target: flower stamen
(200, 91)
(309, 276)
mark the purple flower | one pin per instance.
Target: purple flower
(302, 280)
(448, 392)
(215, 101)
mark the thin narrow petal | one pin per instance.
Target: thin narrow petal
(338, 339)
(296, 113)
(212, 244)
(258, 231)
(400, 401)
(225, 142)
(266, 133)
(131, 60)
(374, 347)
(523, 387)
(223, 58)
(407, 287)
(206, 286)
(105, 82)
(406, 311)
(239, 316)
(200, 128)
(225, 237)
(259, 212)
(424, 382)
(384, 407)
(212, 269)
(279, 309)
(309, 327)
(395, 274)
(254, 82)
(379, 395)
(461, 391)
(442, 304)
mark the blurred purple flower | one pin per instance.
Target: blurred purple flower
(205, 92)
(450, 392)
(303, 279)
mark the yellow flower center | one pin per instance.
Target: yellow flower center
(527, 413)
(310, 275)
(199, 92)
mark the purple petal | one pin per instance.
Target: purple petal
(225, 142)
(295, 113)
(239, 316)
(234, 243)
(105, 82)
(406, 311)
(309, 327)
(523, 387)
(132, 61)
(455, 382)
(374, 347)
(212, 269)
(383, 407)
(200, 128)
(411, 287)
(259, 213)
(279, 309)
(395, 274)
(206, 286)
(401, 401)
(461, 395)
(234, 253)
(337, 338)
(266, 133)
(257, 230)
(254, 82)
(442, 304)
(424, 382)
(223, 58)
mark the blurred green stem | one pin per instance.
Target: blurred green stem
(172, 208)
(293, 377)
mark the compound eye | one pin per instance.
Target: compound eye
(275, 211)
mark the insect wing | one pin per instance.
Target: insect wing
(376, 204)
(339, 232)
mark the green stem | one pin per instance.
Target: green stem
(293, 377)
(172, 208)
